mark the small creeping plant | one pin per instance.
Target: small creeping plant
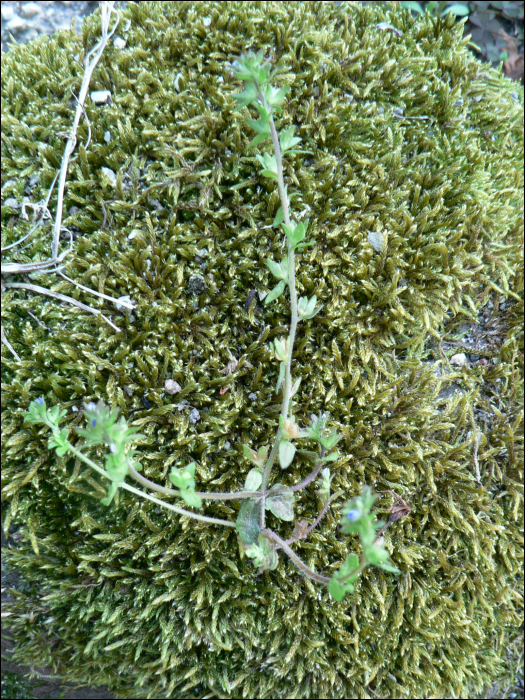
(256, 540)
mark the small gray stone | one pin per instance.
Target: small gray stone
(376, 241)
(107, 137)
(252, 396)
(30, 9)
(119, 43)
(123, 308)
(12, 203)
(16, 25)
(8, 12)
(194, 416)
(196, 284)
(171, 387)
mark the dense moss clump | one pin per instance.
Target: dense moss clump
(413, 188)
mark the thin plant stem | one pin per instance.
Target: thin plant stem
(293, 303)
(296, 560)
(132, 489)
(236, 495)
(309, 479)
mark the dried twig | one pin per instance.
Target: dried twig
(13, 268)
(98, 294)
(8, 344)
(61, 297)
(90, 63)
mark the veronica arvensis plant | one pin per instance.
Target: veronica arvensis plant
(259, 542)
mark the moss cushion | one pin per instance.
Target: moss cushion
(413, 186)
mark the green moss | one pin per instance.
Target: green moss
(152, 605)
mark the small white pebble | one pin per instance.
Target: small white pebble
(459, 359)
(126, 299)
(16, 25)
(30, 9)
(110, 174)
(176, 81)
(119, 42)
(172, 387)
(11, 203)
(376, 241)
(8, 12)
(206, 21)
(194, 416)
(100, 97)
(107, 137)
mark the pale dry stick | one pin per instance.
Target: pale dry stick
(14, 268)
(60, 297)
(8, 345)
(477, 440)
(106, 9)
(97, 294)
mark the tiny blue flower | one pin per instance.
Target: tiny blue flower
(93, 422)
(40, 400)
(354, 515)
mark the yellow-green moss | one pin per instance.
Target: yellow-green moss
(413, 140)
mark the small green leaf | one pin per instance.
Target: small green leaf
(190, 498)
(263, 553)
(281, 351)
(275, 269)
(338, 591)
(350, 564)
(279, 217)
(275, 293)
(459, 10)
(286, 453)
(247, 523)
(250, 454)
(331, 440)
(332, 457)
(280, 502)
(253, 480)
(324, 489)
(111, 492)
(388, 567)
(295, 388)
